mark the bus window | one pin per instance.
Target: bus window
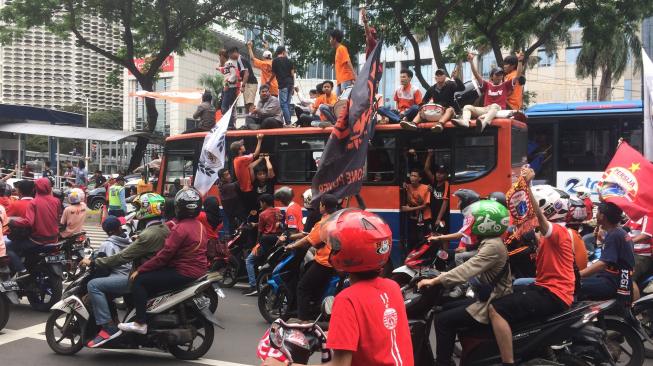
(420, 144)
(519, 150)
(381, 159)
(474, 157)
(584, 150)
(298, 158)
(179, 165)
(540, 152)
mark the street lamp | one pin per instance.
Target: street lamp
(70, 86)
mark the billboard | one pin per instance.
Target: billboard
(570, 181)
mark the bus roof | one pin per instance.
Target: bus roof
(584, 108)
(499, 122)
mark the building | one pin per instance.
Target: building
(43, 70)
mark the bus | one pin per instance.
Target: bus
(570, 144)
(483, 162)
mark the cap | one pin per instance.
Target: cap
(280, 50)
(267, 54)
(496, 70)
(439, 72)
(111, 223)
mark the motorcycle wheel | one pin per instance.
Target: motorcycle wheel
(273, 305)
(624, 342)
(62, 326)
(4, 311)
(645, 318)
(229, 273)
(401, 279)
(200, 345)
(48, 291)
(262, 279)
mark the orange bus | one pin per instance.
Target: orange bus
(482, 162)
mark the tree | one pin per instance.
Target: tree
(148, 29)
(213, 83)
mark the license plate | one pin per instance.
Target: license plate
(55, 258)
(201, 302)
(10, 286)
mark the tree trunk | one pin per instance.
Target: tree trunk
(434, 39)
(152, 116)
(605, 89)
(496, 49)
(405, 29)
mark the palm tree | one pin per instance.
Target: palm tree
(607, 48)
(214, 84)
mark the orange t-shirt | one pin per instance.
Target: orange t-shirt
(580, 250)
(516, 98)
(266, 74)
(323, 99)
(294, 217)
(554, 264)
(241, 168)
(343, 71)
(420, 195)
(323, 250)
(407, 96)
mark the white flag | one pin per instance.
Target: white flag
(213, 155)
(647, 69)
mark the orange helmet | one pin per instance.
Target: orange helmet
(360, 241)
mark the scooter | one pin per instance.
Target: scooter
(8, 291)
(179, 322)
(230, 264)
(421, 261)
(570, 338)
(75, 248)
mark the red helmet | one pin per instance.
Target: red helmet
(360, 241)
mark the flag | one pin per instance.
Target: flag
(342, 166)
(625, 182)
(647, 70)
(212, 157)
(182, 96)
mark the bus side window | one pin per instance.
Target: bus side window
(298, 158)
(381, 159)
(475, 156)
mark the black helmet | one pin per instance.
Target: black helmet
(188, 203)
(5, 189)
(284, 194)
(499, 197)
(466, 197)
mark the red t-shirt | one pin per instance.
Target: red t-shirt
(19, 208)
(497, 93)
(211, 233)
(268, 221)
(554, 264)
(294, 217)
(641, 226)
(369, 319)
(241, 168)
(469, 240)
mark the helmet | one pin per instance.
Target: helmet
(553, 202)
(360, 241)
(308, 197)
(579, 211)
(466, 197)
(491, 218)
(583, 192)
(284, 194)
(188, 203)
(499, 197)
(75, 196)
(151, 205)
(5, 189)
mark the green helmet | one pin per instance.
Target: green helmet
(490, 218)
(151, 206)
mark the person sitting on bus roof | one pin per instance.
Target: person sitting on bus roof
(408, 99)
(496, 94)
(442, 93)
(324, 103)
(306, 118)
(205, 113)
(305, 104)
(267, 113)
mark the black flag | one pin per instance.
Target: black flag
(342, 166)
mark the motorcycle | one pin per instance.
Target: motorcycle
(642, 310)
(179, 321)
(421, 261)
(573, 337)
(75, 248)
(278, 297)
(44, 285)
(230, 264)
(8, 289)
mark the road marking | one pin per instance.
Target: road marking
(35, 332)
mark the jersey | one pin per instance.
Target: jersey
(469, 241)
(294, 217)
(642, 226)
(369, 319)
(554, 263)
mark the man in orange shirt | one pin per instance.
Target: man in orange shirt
(265, 66)
(407, 97)
(418, 207)
(313, 283)
(516, 97)
(345, 75)
(241, 169)
(324, 103)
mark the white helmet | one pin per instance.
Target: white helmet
(308, 197)
(553, 202)
(75, 196)
(583, 192)
(267, 54)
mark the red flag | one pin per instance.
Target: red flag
(626, 182)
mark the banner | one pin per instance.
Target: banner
(181, 96)
(212, 157)
(625, 182)
(647, 70)
(342, 166)
(574, 182)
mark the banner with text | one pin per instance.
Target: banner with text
(212, 157)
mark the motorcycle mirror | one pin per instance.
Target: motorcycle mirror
(276, 335)
(327, 305)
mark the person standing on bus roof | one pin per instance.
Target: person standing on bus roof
(265, 65)
(345, 75)
(241, 169)
(495, 92)
(516, 98)
(284, 71)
